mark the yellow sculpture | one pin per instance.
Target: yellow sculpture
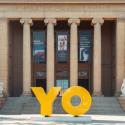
(46, 100)
(85, 100)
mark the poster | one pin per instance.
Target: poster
(62, 42)
(39, 46)
(84, 54)
(62, 47)
(85, 45)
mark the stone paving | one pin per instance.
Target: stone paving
(32, 120)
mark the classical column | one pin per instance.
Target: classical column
(120, 50)
(73, 51)
(4, 55)
(50, 51)
(97, 22)
(26, 56)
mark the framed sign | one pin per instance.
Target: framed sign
(39, 46)
(40, 74)
(62, 46)
(83, 74)
(85, 45)
(62, 74)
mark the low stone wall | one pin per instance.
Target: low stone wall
(122, 102)
(2, 101)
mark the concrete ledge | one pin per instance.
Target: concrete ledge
(62, 1)
(63, 118)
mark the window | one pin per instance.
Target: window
(85, 44)
(38, 46)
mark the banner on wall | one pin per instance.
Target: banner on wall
(39, 46)
(62, 48)
(85, 44)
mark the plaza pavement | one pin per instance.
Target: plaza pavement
(37, 120)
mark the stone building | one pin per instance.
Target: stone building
(62, 43)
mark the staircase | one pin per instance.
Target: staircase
(106, 105)
(29, 105)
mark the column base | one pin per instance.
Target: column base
(121, 98)
(98, 94)
(26, 94)
(117, 94)
(5, 94)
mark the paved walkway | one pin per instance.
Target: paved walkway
(37, 120)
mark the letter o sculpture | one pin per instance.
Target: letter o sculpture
(85, 102)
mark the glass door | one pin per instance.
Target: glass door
(63, 83)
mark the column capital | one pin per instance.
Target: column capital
(97, 20)
(26, 20)
(50, 20)
(74, 20)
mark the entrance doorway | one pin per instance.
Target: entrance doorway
(83, 83)
(39, 55)
(85, 51)
(41, 83)
(64, 84)
(62, 55)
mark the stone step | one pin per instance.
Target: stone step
(30, 105)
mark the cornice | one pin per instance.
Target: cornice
(62, 1)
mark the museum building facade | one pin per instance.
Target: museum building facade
(48, 43)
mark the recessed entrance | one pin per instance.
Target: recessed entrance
(84, 83)
(108, 58)
(38, 42)
(85, 51)
(41, 83)
(62, 55)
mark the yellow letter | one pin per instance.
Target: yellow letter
(46, 100)
(85, 99)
